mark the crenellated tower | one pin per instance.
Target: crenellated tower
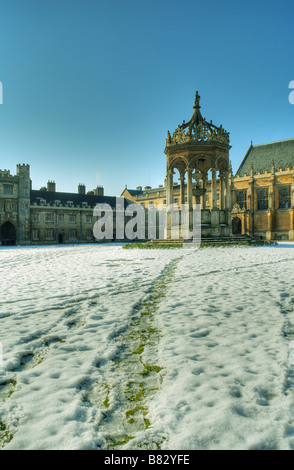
(24, 187)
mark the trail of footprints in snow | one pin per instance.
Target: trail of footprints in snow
(122, 410)
(40, 347)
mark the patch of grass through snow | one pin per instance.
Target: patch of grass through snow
(139, 344)
(5, 435)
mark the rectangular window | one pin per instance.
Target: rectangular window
(61, 218)
(49, 234)
(35, 218)
(89, 219)
(262, 199)
(72, 234)
(242, 199)
(72, 218)
(284, 197)
(8, 189)
(49, 217)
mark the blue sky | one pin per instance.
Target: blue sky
(91, 87)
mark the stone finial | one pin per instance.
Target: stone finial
(197, 99)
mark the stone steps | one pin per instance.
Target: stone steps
(227, 240)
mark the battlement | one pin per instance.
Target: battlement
(23, 169)
(264, 173)
(6, 177)
(5, 173)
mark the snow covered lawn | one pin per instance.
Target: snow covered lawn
(106, 348)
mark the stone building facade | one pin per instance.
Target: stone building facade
(261, 193)
(46, 216)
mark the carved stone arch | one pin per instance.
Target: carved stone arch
(180, 163)
(221, 164)
(202, 163)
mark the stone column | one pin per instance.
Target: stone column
(251, 202)
(189, 198)
(203, 184)
(271, 206)
(214, 212)
(169, 202)
(222, 193)
(182, 188)
(228, 196)
(169, 187)
(228, 199)
(271, 199)
(269, 225)
(182, 199)
(213, 189)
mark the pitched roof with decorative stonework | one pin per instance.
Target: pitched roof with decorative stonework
(263, 156)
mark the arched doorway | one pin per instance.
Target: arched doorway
(237, 226)
(8, 234)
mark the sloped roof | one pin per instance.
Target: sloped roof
(77, 199)
(134, 192)
(262, 156)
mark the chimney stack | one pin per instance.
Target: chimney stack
(51, 186)
(99, 191)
